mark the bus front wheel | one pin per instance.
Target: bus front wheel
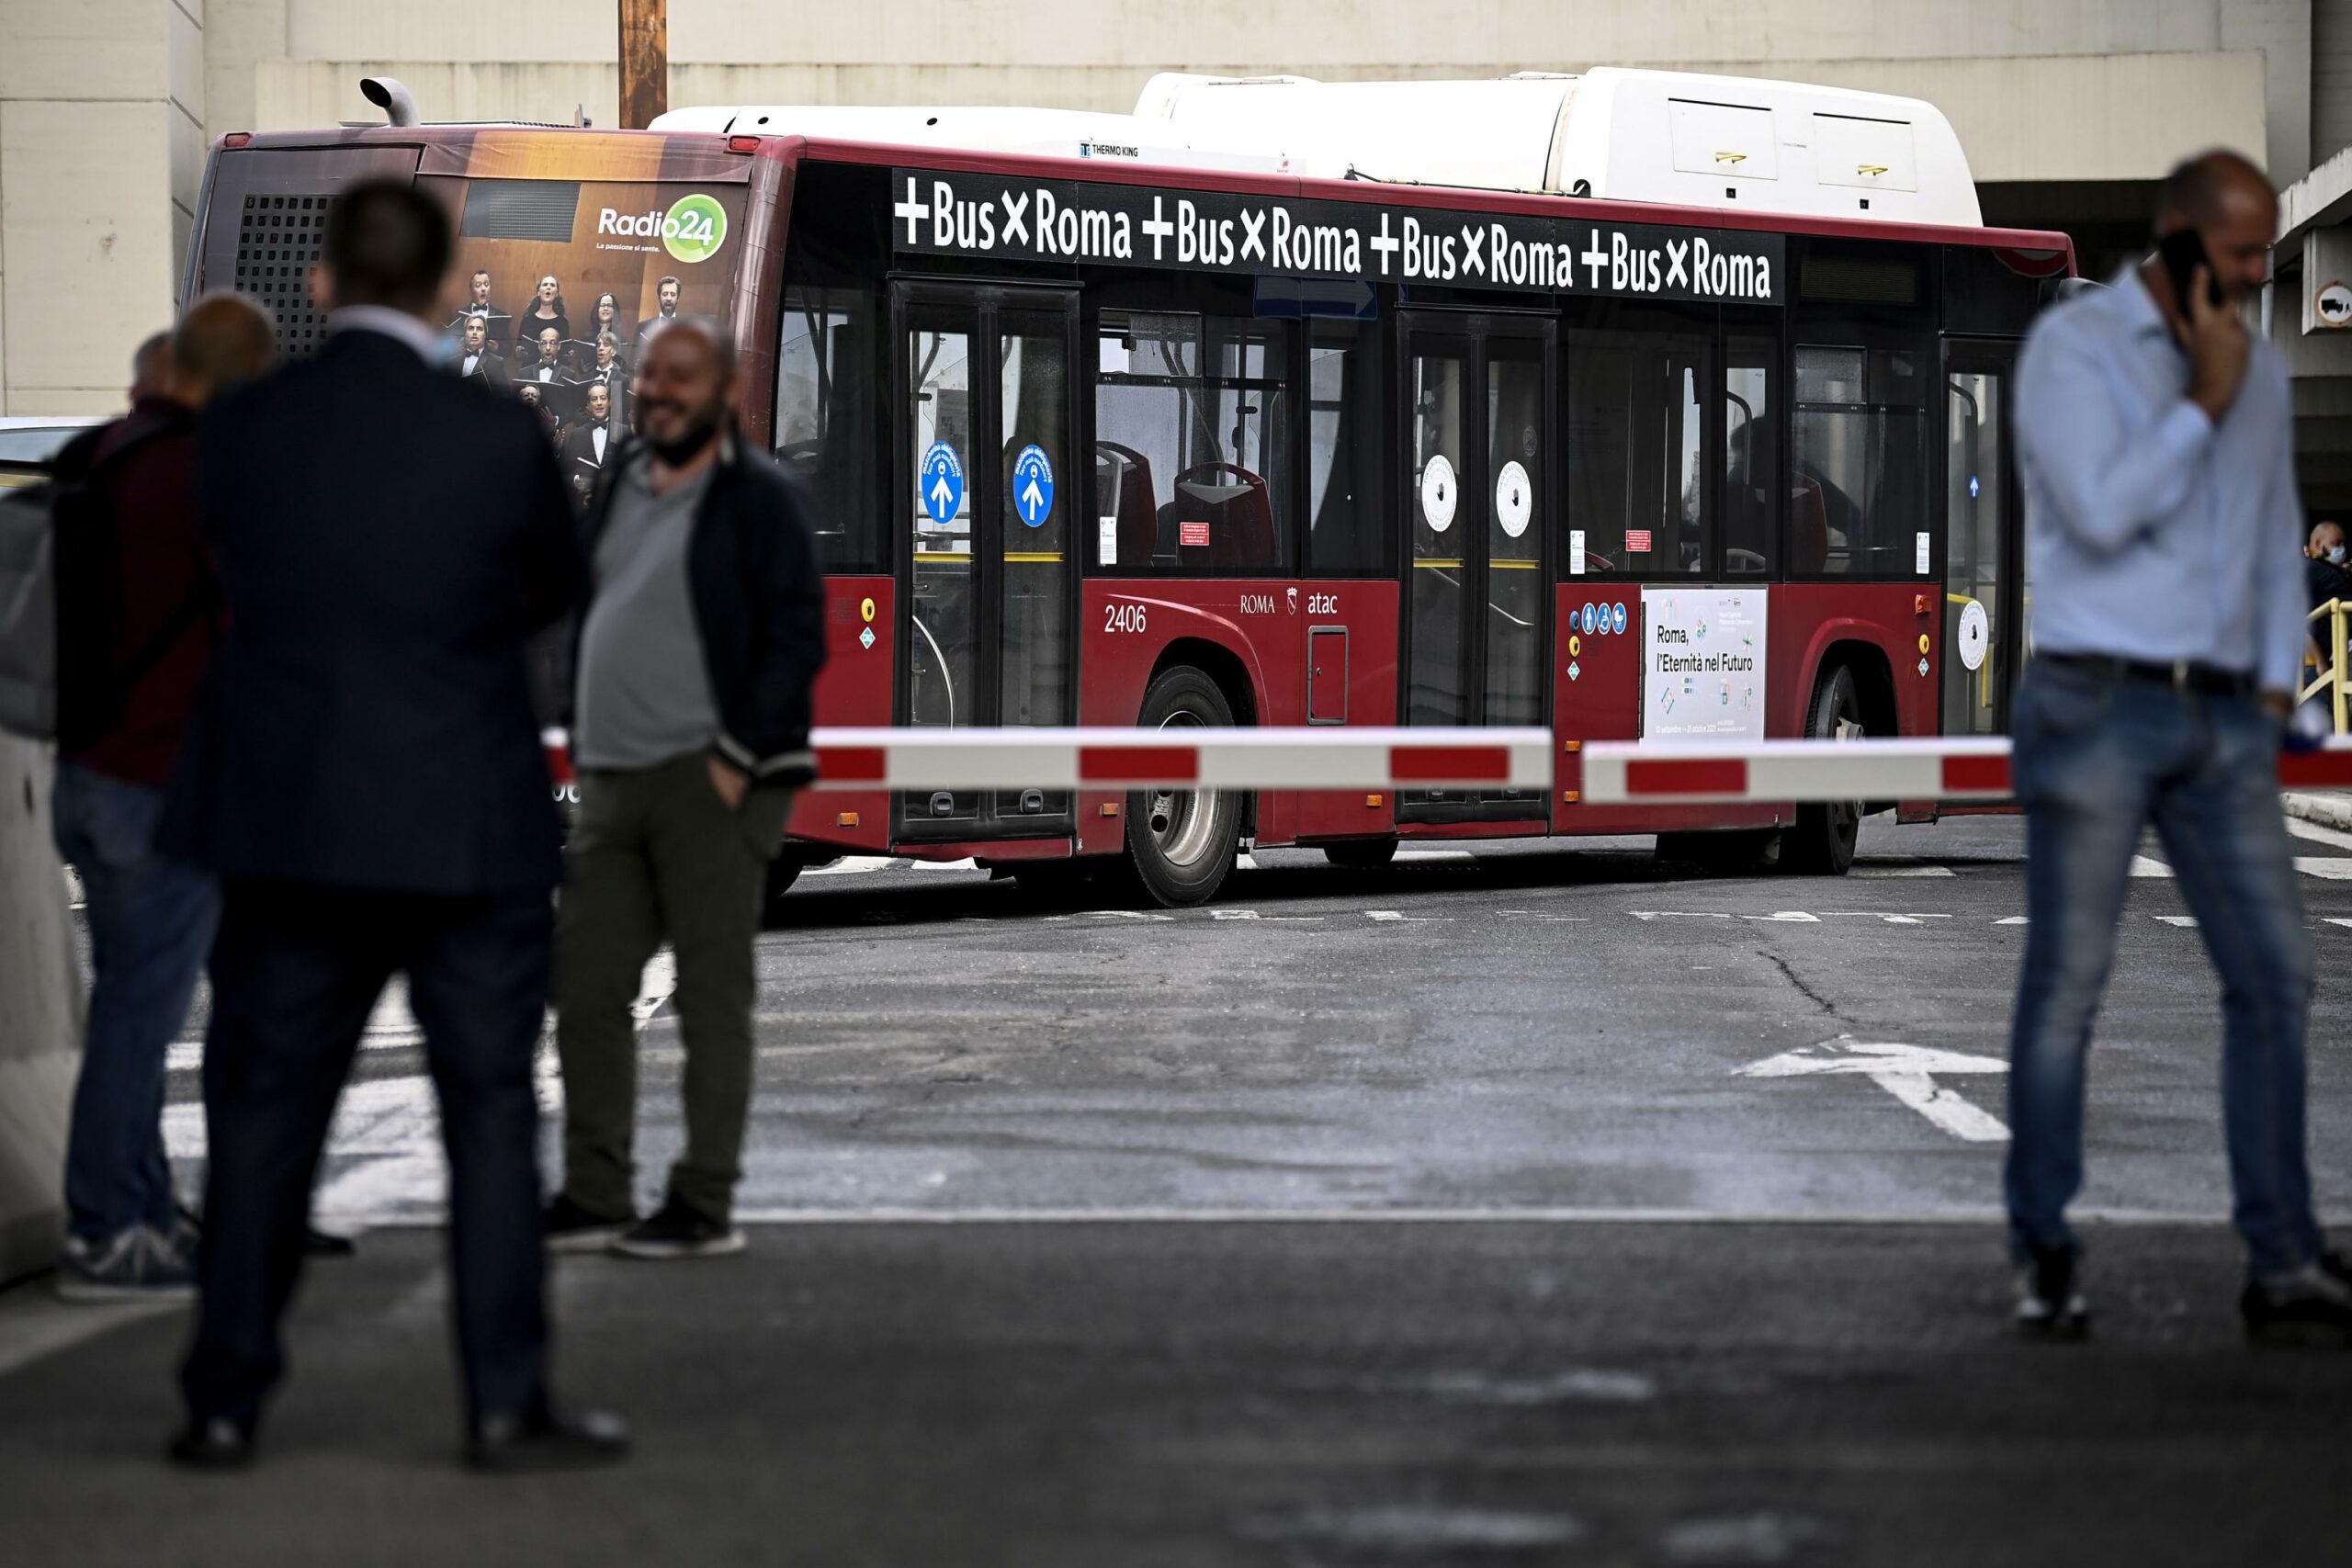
(1182, 843)
(1821, 841)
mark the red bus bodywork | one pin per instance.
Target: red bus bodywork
(1897, 628)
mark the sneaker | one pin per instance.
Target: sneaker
(2049, 1305)
(678, 1231)
(568, 1227)
(2306, 1306)
(136, 1265)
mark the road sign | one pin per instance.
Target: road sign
(941, 481)
(1032, 486)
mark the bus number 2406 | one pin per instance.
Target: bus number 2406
(1123, 617)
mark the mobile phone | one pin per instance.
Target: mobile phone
(2183, 252)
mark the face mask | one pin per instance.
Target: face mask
(2336, 554)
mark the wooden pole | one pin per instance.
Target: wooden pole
(645, 62)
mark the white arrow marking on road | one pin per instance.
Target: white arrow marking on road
(1907, 1072)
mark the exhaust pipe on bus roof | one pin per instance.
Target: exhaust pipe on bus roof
(387, 94)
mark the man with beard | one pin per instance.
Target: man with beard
(692, 672)
(666, 292)
(476, 362)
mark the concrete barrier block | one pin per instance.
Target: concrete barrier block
(42, 1015)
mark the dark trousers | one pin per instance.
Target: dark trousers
(295, 973)
(656, 853)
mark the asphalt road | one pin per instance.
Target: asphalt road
(1433, 1215)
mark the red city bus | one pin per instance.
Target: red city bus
(1105, 440)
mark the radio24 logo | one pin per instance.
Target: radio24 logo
(692, 231)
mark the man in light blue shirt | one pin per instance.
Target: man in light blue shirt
(2154, 436)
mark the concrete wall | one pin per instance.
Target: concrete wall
(41, 1016)
(101, 149)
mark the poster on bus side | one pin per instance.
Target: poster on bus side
(1703, 663)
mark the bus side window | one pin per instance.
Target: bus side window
(824, 422)
(1346, 473)
(1858, 490)
(1191, 445)
(1751, 459)
(1636, 430)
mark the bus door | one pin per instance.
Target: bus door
(1985, 598)
(1478, 463)
(987, 485)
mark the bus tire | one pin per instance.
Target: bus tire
(1181, 842)
(1821, 841)
(1361, 854)
(782, 872)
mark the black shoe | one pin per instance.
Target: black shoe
(2049, 1306)
(568, 1227)
(508, 1443)
(677, 1231)
(212, 1442)
(317, 1243)
(2311, 1306)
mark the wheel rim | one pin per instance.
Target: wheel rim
(1182, 822)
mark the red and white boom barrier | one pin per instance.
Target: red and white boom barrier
(1316, 758)
(1625, 772)
(1307, 758)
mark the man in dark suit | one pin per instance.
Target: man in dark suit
(590, 441)
(476, 362)
(501, 325)
(666, 294)
(366, 778)
(543, 361)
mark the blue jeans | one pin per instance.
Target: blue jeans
(2096, 761)
(151, 920)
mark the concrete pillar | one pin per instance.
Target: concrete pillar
(101, 151)
(42, 1015)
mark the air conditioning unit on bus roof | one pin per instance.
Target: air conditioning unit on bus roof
(1626, 135)
(1623, 134)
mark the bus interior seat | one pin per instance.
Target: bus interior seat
(1235, 505)
(1123, 489)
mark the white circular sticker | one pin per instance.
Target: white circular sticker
(1514, 499)
(1976, 635)
(1437, 496)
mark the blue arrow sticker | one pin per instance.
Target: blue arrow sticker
(1032, 486)
(940, 483)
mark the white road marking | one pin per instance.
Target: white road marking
(2332, 868)
(1892, 919)
(2141, 865)
(2318, 834)
(1427, 857)
(1130, 915)
(851, 865)
(2337, 919)
(1907, 1072)
(1392, 916)
(1779, 916)
(2010, 920)
(966, 865)
(2188, 920)
(1901, 871)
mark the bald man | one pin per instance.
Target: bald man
(151, 917)
(2155, 437)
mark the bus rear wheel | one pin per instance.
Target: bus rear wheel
(1181, 842)
(1821, 841)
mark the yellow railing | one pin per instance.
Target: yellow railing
(2334, 671)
